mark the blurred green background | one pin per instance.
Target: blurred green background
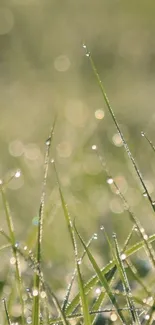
(44, 71)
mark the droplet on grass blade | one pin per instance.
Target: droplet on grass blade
(142, 134)
(35, 292)
(110, 180)
(48, 141)
(94, 147)
(18, 174)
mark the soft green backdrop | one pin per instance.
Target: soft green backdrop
(44, 70)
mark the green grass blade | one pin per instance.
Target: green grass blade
(14, 248)
(148, 247)
(130, 251)
(126, 285)
(84, 303)
(36, 284)
(6, 312)
(102, 280)
(65, 302)
(126, 147)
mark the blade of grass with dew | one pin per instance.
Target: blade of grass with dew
(94, 69)
(126, 285)
(93, 280)
(148, 247)
(66, 299)
(14, 248)
(6, 312)
(102, 279)
(36, 284)
(84, 303)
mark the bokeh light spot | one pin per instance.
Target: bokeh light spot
(99, 114)
(62, 63)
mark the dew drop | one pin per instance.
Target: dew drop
(88, 54)
(142, 134)
(145, 237)
(29, 320)
(18, 174)
(147, 317)
(123, 257)
(48, 141)
(35, 292)
(1, 182)
(98, 291)
(94, 147)
(25, 248)
(79, 261)
(135, 228)
(52, 161)
(102, 227)
(110, 180)
(43, 294)
(84, 46)
(145, 194)
(153, 202)
(95, 236)
(17, 244)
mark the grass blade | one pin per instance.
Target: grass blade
(126, 147)
(130, 251)
(36, 297)
(6, 312)
(102, 279)
(127, 289)
(84, 303)
(14, 248)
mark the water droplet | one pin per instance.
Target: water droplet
(98, 291)
(102, 227)
(94, 147)
(17, 244)
(52, 161)
(147, 317)
(123, 257)
(113, 317)
(1, 182)
(142, 230)
(18, 174)
(48, 141)
(135, 228)
(29, 320)
(142, 134)
(145, 237)
(110, 180)
(35, 292)
(84, 46)
(144, 194)
(88, 54)
(95, 236)
(153, 202)
(43, 294)
(79, 261)
(25, 248)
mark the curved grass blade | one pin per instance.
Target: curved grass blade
(126, 285)
(148, 247)
(36, 284)
(102, 280)
(14, 248)
(65, 302)
(130, 251)
(126, 147)
(84, 303)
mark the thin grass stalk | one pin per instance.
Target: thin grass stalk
(126, 147)
(14, 249)
(126, 285)
(36, 298)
